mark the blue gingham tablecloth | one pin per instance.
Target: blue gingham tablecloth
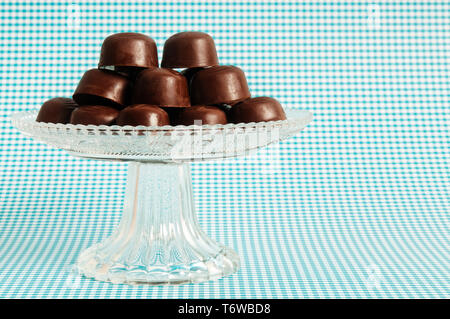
(355, 206)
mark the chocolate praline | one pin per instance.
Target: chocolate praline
(258, 109)
(102, 87)
(201, 115)
(162, 87)
(189, 50)
(95, 115)
(56, 110)
(224, 84)
(143, 114)
(128, 49)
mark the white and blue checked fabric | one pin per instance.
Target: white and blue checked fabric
(355, 206)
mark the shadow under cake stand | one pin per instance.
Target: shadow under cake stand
(158, 240)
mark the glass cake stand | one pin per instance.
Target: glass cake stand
(158, 240)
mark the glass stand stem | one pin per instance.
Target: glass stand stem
(158, 240)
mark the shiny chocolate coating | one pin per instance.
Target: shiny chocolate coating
(189, 50)
(129, 50)
(95, 115)
(258, 109)
(205, 114)
(224, 84)
(161, 87)
(143, 114)
(102, 87)
(56, 110)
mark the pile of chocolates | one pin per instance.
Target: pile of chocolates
(128, 87)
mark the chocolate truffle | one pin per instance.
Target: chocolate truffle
(102, 87)
(56, 110)
(203, 113)
(161, 87)
(128, 50)
(143, 114)
(95, 115)
(258, 109)
(219, 85)
(189, 50)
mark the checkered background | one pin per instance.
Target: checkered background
(356, 206)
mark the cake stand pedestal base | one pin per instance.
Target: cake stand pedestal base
(158, 240)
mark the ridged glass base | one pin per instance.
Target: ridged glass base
(158, 240)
